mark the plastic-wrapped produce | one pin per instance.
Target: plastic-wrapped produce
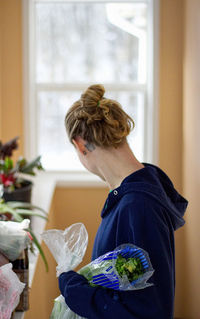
(128, 267)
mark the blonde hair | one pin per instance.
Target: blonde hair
(98, 120)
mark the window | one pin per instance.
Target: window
(70, 45)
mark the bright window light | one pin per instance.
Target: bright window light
(76, 44)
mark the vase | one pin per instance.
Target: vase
(22, 194)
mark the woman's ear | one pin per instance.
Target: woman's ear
(75, 143)
(79, 143)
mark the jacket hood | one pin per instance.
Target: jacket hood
(153, 182)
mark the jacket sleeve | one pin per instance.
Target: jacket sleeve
(137, 225)
(91, 302)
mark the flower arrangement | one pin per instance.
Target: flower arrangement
(10, 172)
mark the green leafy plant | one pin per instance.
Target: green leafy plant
(9, 171)
(131, 267)
(20, 209)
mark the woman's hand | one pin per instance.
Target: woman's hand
(3, 260)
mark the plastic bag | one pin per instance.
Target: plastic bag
(101, 271)
(10, 289)
(13, 238)
(62, 311)
(68, 247)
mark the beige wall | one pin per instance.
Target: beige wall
(183, 171)
(170, 116)
(191, 156)
(11, 106)
(170, 103)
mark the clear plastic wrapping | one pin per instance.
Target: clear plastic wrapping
(62, 311)
(103, 272)
(68, 247)
(10, 289)
(13, 238)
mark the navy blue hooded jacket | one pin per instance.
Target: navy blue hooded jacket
(144, 210)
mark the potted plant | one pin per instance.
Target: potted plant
(16, 187)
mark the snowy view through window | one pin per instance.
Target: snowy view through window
(78, 44)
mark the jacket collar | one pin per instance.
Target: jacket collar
(116, 194)
(153, 183)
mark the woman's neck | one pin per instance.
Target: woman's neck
(116, 164)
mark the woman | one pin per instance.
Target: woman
(142, 208)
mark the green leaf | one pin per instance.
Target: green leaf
(28, 168)
(4, 208)
(8, 162)
(21, 162)
(2, 166)
(29, 212)
(37, 244)
(16, 204)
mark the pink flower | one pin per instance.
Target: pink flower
(7, 180)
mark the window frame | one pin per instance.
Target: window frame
(151, 89)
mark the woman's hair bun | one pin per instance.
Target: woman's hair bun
(98, 120)
(93, 95)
